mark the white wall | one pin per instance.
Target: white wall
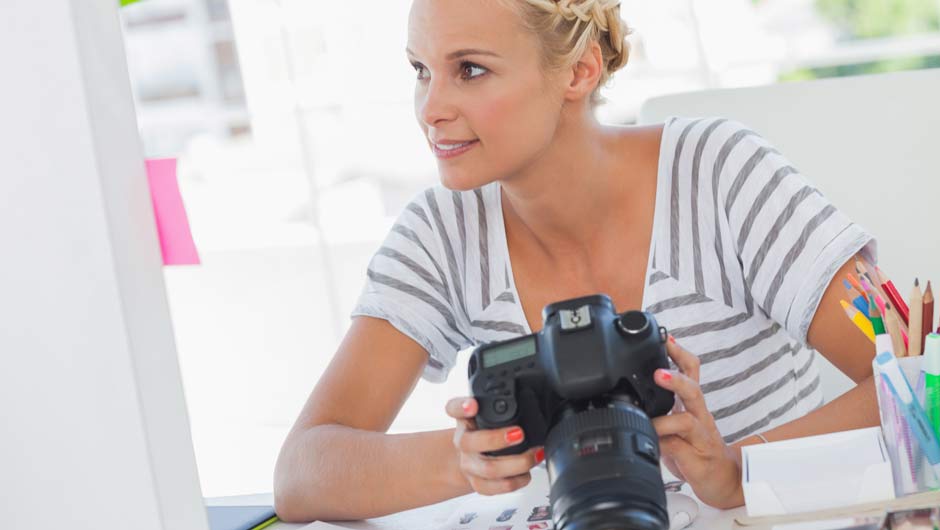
(93, 427)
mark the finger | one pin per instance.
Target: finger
(683, 425)
(687, 362)
(500, 467)
(683, 455)
(486, 440)
(461, 408)
(500, 486)
(676, 449)
(686, 389)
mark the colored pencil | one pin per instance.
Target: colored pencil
(858, 300)
(859, 319)
(894, 295)
(854, 283)
(916, 320)
(865, 274)
(873, 293)
(928, 312)
(892, 322)
(877, 322)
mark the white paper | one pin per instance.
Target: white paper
(816, 473)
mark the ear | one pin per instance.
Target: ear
(586, 73)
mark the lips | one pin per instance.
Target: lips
(449, 145)
(450, 148)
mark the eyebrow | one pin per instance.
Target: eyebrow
(462, 53)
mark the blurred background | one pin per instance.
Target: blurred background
(292, 121)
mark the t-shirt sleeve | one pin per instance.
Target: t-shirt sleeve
(790, 240)
(406, 285)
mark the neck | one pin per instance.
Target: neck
(570, 191)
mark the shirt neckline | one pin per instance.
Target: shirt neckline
(657, 214)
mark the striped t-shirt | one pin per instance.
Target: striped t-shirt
(743, 248)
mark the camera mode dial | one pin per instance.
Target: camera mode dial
(634, 324)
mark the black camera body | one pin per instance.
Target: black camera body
(585, 351)
(583, 387)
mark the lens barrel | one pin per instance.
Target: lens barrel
(603, 466)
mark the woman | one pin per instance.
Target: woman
(701, 222)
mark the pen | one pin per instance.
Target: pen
(931, 369)
(913, 413)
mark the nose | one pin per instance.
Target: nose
(434, 103)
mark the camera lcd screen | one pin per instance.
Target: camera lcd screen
(509, 352)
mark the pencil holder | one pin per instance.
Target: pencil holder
(910, 469)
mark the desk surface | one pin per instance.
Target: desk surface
(433, 516)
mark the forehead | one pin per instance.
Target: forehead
(437, 27)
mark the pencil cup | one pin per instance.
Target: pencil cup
(909, 466)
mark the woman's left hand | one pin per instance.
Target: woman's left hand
(691, 446)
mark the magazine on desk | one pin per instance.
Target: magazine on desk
(529, 509)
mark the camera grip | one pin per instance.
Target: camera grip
(529, 416)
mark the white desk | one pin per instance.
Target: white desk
(432, 517)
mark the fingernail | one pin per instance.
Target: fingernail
(664, 375)
(672, 339)
(514, 435)
(467, 406)
(539, 455)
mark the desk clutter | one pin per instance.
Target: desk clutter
(857, 479)
(906, 352)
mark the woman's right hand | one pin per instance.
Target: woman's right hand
(490, 475)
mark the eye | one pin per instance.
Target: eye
(421, 70)
(470, 71)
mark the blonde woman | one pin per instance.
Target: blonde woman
(700, 221)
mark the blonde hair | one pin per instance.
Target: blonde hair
(566, 29)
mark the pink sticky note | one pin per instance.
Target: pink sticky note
(176, 240)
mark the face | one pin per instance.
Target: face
(484, 103)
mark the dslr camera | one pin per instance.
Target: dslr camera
(583, 387)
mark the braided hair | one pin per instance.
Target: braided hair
(566, 29)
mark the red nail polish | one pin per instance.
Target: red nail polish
(514, 435)
(672, 339)
(539, 455)
(665, 375)
(467, 406)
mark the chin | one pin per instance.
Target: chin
(462, 180)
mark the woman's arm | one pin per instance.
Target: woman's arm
(690, 442)
(834, 336)
(338, 463)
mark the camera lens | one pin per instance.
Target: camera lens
(603, 465)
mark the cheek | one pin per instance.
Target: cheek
(516, 122)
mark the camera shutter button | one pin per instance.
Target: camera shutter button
(500, 406)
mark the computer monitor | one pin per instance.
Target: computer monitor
(93, 430)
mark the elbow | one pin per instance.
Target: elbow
(292, 493)
(288, 504)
